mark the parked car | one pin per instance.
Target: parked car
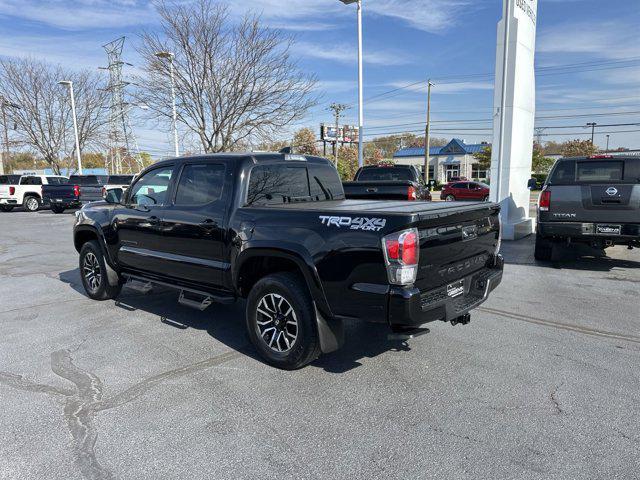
(594, 200)
(117, 181)
(396, 182)
(465, 191)
(276, 229)
(75, 192)
(26, 191)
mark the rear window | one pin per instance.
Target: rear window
(119, 179)
(325, 183)
(87, 180)
(273, 184)
(385, 174)
(9, 179)
(56, 180)
(599, 171)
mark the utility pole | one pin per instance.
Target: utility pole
(426, 135)
(539, 131)
(593, 129)
(338, 108)
(170, 56)
(5, 158)
(607, 151)
(69, 84)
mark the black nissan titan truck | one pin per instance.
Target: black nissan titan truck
(276, 230)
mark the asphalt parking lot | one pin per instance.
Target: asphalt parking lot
(544, 382)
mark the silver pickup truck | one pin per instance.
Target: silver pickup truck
(594, 200)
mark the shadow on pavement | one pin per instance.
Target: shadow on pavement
(226, 323)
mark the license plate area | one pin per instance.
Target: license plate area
(607, 229)
(455, 289)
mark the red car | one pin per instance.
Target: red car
(465, 191)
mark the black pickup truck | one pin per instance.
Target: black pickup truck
(80, 189)
(276, 229)
(593, 200)
(394, 182)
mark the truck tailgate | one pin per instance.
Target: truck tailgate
(456, 244)
(604, 203)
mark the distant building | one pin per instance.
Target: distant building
(455, 159)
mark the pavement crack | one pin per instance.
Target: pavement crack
(554, 400)
(85, 400)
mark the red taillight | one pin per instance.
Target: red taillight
(411, 193)
(76, 190)
(401, 251)
(544, 202)
(12, 190)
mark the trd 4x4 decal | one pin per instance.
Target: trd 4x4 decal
(358, 223)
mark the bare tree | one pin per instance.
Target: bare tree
(236, 83)
(43, 120)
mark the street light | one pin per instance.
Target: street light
(360, 100)
(608, 143)
(69, 83)
(169, 55)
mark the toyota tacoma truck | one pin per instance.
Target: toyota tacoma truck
(593, 200)
(75, 192)
(394, 182)
(276, 230)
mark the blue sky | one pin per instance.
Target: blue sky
(405, 41)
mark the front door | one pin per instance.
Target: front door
(137, 223)
(193, 225)
(452, 171)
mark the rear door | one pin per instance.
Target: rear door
(596, 191)
(193, 224)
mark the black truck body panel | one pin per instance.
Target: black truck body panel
(335, 244)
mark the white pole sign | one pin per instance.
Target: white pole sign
(514, 114)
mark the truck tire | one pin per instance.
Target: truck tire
(544, 248)
(94, 273)
(56, 209)
(31, 203)
(450, 198)
(6, 208)
(281, 321)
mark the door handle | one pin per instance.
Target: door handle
(372, 190)
(209, 223)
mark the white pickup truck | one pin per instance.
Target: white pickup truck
(26, 191)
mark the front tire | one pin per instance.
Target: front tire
(93, 272)
(31, 203)
(543, 249)
(281, 321)
(6, 208)
(56, 209)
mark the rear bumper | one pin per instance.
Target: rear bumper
(587, 231)
(413, 307)
(9, 201)
(62, 202)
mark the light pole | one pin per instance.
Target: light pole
(360, 89)
(170, 56)
(607, 151)
(69, 83)
(593, 129)
(427, 139)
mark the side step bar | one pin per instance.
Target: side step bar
(188, 297)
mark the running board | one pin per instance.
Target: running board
(196, 301)
(139, 285)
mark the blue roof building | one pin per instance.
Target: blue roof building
(455, 159)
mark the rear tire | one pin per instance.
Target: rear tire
(93, 272)
(450, 198)
(31, 203)
(281, 321)
(543, 249)
(5, 208)
(57, 209)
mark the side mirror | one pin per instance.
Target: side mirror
(114, 195)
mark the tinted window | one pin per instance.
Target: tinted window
(9, 179)
(119, 179)
(385, 174)
(459, 185)
(151, 189)
(325, 183)
(599, 171)
(271, 184)
(200, 184)
(56, 180)
(30, 181)
(564, 172)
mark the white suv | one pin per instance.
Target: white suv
(27, 192)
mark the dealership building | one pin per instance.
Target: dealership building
(455, 159)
